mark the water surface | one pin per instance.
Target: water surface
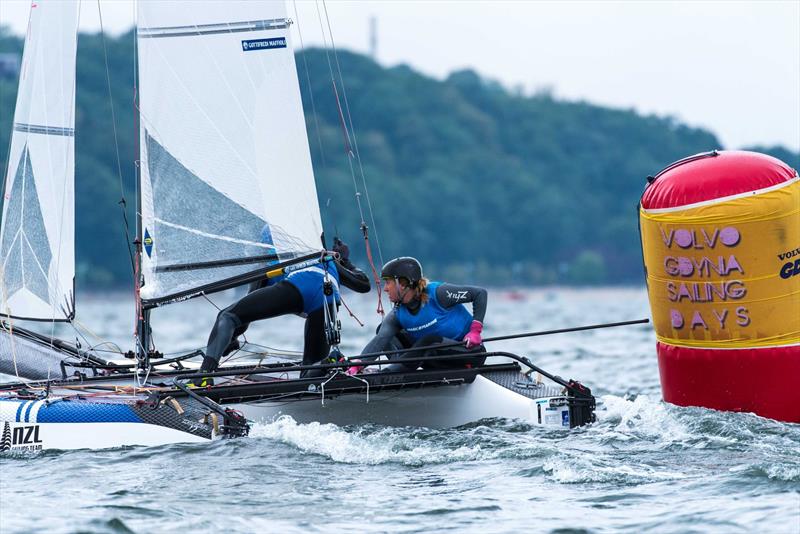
(644, 466)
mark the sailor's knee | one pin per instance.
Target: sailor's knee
(227, 318)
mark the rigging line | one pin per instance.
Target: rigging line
(350, 156)
(310, 89)
(122, 202)
(342, 123)
(353, 315)
(82, 331)
(220, 309)
(353, 133)
(211, 302)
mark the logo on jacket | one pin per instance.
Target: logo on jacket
(422, 327)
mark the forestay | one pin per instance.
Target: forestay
(37, 248)
(226, 172)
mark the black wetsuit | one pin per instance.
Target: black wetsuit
(267, 301)
(391, 336)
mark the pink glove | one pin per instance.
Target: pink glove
(473, 337)
(354, 370)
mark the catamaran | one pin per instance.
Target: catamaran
(224, 154)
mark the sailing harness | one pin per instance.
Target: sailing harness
(333, 326)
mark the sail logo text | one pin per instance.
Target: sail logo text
(263, 44)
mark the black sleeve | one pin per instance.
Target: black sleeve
(352, 277)
(449, 295)
(388, 329)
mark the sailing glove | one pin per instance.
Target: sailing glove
(355, 369)
(473, 337)
(342, 249)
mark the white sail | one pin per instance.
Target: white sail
(226, 169)
(37, 250)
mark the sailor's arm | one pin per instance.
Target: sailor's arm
(449, 295)
(389, 328)
(352, 277)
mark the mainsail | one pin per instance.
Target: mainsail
(37, 251)
(226, 180)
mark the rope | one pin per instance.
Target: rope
(122, 202)
(310, 90)
(375, 277)
(351, 151)
(353, 315)
(353, 132)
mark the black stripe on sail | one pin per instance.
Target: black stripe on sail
(215, 263)
(211, 29)
(45, 130)
(228, 283)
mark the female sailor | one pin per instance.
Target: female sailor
(428, 313)
(300, 292)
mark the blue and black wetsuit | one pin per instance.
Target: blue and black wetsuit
(442, 319)
(300, 292)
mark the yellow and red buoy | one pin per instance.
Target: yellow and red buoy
(721, 243)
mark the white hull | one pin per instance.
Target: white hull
(65, 424)
(440, 407)
(68, 436)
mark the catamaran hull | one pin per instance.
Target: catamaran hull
(434, 407)
(22, 437)
(78, 423)
(31, 425)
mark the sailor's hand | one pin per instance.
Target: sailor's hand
(473, 337)
(341, 248)
(354, 370)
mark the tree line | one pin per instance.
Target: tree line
(480, 182)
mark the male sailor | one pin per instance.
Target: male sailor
(429, 313)
(301, 292)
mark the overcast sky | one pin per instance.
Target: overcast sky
(731, 67)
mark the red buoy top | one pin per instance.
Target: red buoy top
(714, 175)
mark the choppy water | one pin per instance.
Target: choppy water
(644, 466)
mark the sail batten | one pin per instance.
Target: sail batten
(37, 250)
(44, 130)
(211, 29)
(226, 174)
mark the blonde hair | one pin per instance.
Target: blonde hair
(419, 289)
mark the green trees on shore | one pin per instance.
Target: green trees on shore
(480, 182)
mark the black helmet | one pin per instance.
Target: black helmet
(403, 267)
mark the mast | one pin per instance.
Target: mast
(142, 319)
